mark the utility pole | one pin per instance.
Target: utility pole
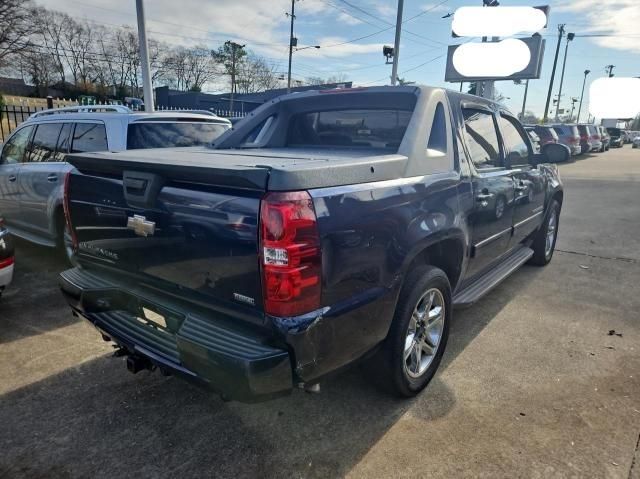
(524, 100)
(564, 63)
(234, 60)
(609, 70)
(147, 88)
(292, 15)
(396, 45)
(573, 107)
(553, 73)
(586, 72)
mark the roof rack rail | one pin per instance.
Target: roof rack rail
(84, 109)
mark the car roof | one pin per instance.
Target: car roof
(130, 116)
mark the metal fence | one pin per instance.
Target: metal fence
(12, 115)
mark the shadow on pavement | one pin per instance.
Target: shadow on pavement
(32, 303)
(97, 420)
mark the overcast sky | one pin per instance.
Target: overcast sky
(351, 34)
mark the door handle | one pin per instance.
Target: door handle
(484, 196)
(13, 178)
(52, 178)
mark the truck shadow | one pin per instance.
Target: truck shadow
(97, 420)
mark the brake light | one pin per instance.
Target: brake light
(289, 254)
(4, 263)
(67, 215)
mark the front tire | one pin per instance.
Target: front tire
(544, 243)
(418, 336)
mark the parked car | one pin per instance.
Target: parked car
(361, 239)
(535, 139)
(569, 136)
(32, 162)
(617, 137)
(596, 139)
(636, 142)
(606, 139)
(6, 257)
(548, 136)
(585, 138)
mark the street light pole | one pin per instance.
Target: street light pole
(396, 45)
(293, 16)
(564, 63)
(147, 88)
(553, 73)
(524, 100)
(586, 72)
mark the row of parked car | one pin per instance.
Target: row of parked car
(579, 138)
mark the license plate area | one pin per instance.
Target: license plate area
(158, 318)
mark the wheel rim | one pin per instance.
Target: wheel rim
(424, 333)
(551, 234)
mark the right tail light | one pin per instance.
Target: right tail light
(289, 254)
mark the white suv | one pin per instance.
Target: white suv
(32, 166)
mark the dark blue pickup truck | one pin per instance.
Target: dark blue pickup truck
(323, 228)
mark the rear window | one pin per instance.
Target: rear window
(356, 128)
(167, 135)
(89, 137)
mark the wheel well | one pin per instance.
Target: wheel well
(446, 255)
(558, 196)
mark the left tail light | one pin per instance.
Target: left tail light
(289, 254)
(67, 211)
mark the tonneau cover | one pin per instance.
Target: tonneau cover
(276, 169)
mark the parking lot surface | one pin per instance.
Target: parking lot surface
(541, 378)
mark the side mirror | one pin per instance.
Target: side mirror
(552, 153)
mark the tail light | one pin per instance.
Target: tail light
(289, 254)
(4, 263)
(67, 214)
(596, 137)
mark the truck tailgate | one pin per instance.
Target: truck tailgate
(169, 229)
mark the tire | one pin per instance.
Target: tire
(63, 241)
(543, 251)
(401, 373)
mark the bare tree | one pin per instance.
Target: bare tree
(41, 69)
(16, 27)
(78, 41)
(190, 68)
(50, 26)
(255, 74)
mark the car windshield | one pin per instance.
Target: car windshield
(357, 128)
(614, 131)
(165, 135)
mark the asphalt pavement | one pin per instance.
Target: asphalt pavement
(541, 378)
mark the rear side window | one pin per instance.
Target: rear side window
(44, 142)
(63, 143)
(438, 134)
(514, 141)
(481, 138)
(166, 135)
(14, 150)
(357, 128)
(89, 137)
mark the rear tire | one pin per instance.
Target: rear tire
(418, 335)
(544, 243)
(63, 240)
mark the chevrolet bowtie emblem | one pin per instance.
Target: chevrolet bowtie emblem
(141, 226)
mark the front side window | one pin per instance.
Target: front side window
(166, 135)
(356, 128)
(89, 137)
(14, 150)
(481, 138)
(514, 142)
(44, 142)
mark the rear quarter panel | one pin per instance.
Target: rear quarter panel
(370, 233)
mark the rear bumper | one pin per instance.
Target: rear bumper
(210, 351)
(6, 254)
(6, 275)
